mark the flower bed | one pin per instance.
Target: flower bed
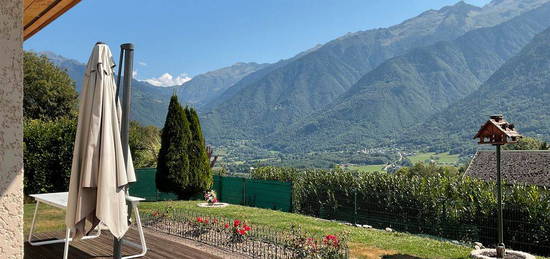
(238, 236)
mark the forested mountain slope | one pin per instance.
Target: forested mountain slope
(290, 93)
(407, 89)
(520, 90)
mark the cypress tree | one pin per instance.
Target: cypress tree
(173, 161)
(199, 163)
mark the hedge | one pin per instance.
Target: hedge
(48, 153)
(455, 207)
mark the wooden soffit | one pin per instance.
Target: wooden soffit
(39, 13)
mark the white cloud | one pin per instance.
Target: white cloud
(141, 63)
(168, 80)
(134, 73)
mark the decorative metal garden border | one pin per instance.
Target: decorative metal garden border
(257, 242)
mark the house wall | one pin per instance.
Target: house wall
(11, 129)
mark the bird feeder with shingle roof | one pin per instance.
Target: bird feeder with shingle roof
(497, 131)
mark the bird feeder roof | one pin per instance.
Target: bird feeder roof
(498, 126)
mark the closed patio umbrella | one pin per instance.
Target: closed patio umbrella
(99, 174)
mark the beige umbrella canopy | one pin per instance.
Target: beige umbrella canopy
(99, 175)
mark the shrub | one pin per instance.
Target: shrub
(48, 152)
(144, 144)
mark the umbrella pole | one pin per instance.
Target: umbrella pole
(128, 50)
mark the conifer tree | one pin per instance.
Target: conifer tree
(199, 163)
(173, 160)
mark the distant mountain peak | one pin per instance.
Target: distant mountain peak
(460, 6)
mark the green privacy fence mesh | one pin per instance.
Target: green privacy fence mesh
(145, 186)
(234, 190)
(256, 193)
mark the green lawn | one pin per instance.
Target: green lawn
(439, 158)
(364, 243)
(367, 168)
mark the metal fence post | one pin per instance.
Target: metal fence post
(355, 206)
(244, 191)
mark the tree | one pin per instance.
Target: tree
(199, 162)
(144, 144)
(527, 143)
(173, 160)
(49, 92)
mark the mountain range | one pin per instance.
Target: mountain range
(313, 82)
(519, 89)
(426, 82)
(150, 103)
(407, 89)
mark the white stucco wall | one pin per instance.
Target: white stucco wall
(11, 129)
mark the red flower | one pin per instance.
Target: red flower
(214, 221)
(215, 200)
(241, 232)
(226, 225)
(331, 240)
(200, 220)
(246, 227)
(236, 223)
(206, 221)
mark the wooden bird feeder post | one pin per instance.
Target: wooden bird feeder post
(497, 132)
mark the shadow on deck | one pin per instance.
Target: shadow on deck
(159, 246)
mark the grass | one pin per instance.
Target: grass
(439, 158)
(367, 168)
(49, 218)
(364, 243)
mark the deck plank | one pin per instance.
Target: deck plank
(101, 247)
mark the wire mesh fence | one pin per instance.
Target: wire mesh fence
(519, 233)
(237, 237)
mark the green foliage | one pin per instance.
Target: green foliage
(520, 90)
(282, 174)
(173, 161)
(49, 109)
(183, 167)
(144, 144)
(48, 152)
(199, 163)
(527, 143)
(49, 93)
(427, 170)
(445, 205)
(317, 103)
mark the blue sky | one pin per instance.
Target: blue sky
(184, 38)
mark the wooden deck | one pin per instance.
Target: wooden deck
(159, 246)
